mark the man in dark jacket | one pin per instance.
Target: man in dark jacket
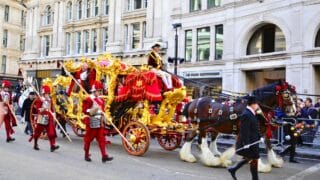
(247, 143)
(25, 112)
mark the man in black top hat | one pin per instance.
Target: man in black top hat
(247, 145)
(25, 112)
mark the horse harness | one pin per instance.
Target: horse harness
(232, 116)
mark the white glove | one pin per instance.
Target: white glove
(246, 146)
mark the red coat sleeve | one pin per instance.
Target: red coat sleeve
(86, 104)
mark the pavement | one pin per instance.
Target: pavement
(18, 161)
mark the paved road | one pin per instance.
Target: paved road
(18, 161)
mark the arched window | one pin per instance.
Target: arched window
(69, 10)
(268, 38)
(88, 8)
(79, 9)
(318, 39)
(48, 14)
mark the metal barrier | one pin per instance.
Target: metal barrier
(309, 136)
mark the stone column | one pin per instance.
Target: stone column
(115, 27)
(212, 43)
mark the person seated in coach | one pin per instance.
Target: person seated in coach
(156, 65)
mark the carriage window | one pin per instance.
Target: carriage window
(318, 39)
(203, 44)
(267, 39)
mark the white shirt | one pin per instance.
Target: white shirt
(252, 111)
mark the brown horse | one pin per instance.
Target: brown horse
(216, 117)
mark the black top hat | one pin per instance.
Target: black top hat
(156, 45)
(251, 100)
(32, 93)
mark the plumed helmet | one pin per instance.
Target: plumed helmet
(97, 85)
(45, 90)
(6, 84)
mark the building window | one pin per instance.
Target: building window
(86, 41)
(6, 13)
(68, 43)
(22, 42)
(135, 35)
(219, 42)
(104, 38)
(214, 3)
(126, 36)
(96, 8)
(188, 45)
(269, 38)
(47, 45)
(78, 42)
(23, 18)
(203, 44)
(69, 11)
(5, 38)
(3, 64)
(105, 7)
(79, 9)
(88, 8)
(195, 5)
(48, 15)
(318, 39)
(94, 40)
(145, 3)
(137, 4)
(144, 25)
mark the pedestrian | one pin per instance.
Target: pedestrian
(289, 135)
(6, 103)
(317, 105)
(309, 112)
(25, 112)
(249, 136)
(45, 120)
(92, 107)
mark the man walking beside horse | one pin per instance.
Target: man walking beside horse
(247, 140)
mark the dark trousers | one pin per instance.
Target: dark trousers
(28, 128)
(253, 167)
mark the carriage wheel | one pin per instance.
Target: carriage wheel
(78, 131)
(169, 142)
(138, 136)
(33, 116)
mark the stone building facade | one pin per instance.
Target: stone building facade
(233, 45)
(240, 45)
(12, 23)
(63, 29)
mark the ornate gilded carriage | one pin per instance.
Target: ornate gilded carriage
(136, 102)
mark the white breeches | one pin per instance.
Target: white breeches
(166, 77)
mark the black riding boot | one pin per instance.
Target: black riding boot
(233, 169)
(36, 147)
(254, 170)
(285, 151)
(292, 154)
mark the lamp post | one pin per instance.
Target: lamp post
(176, 26)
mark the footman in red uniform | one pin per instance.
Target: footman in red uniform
(8, 116)
(94, 121)
(45, 119)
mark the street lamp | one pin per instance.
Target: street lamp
(176, 26)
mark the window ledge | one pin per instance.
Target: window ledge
(265, 56)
